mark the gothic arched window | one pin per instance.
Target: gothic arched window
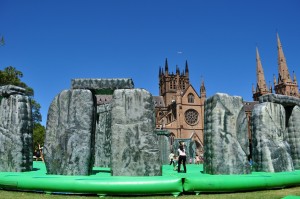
(191, 98)
(172, 138)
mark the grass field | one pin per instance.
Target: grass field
(265, 194)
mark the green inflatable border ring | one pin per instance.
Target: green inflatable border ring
(171, 182)
(234, 183)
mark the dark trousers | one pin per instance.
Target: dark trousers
(172, 162)
(182, 159)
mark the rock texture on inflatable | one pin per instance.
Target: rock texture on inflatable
(271, 152)
(15, 130)
(69, 147)
(103, 136)
(293, 136)
(226, 147)
(134, 144)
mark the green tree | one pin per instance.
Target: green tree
(36, 114)
(10, 75)
(38, 135)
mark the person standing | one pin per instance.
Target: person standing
(182, 157)
(41, 152)
(197, 159)
(171, 158)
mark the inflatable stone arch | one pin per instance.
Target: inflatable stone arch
(80, 128)
(276, 133)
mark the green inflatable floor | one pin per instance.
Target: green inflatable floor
(171, 182)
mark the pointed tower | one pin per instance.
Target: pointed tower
(274, 80)
(159, 72)
(285, 85)
(202, 90)
(186, 69)
(284, 75)
(177, 70)
(294, 78)
(261, 86)
(170, 82)
(166, 67)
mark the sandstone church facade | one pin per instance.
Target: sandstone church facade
(179, 108)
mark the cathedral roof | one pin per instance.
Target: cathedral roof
(158, 101)
(187, 88)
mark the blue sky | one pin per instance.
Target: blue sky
(54, 41)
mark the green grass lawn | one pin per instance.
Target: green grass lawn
(265, 194)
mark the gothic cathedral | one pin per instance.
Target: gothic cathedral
(178, 108)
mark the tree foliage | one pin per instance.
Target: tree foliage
(10, 75)
(38, 135)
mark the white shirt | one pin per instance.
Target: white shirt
(182, 153)
(171, 156)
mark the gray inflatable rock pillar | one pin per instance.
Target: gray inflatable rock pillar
(164, 145)
(69, 141)
(15, 130)
(103, 136)
(134, 149)
(225, 136)
(270, 152)
(293, 136)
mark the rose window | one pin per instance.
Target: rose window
(191, 116)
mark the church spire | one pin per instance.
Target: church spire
(284, 75)
(261, 86)
(159, 72)
(260, 77)
(202, 89)
(186, 68)
(294, 78)
(177, 70)
(166, 67)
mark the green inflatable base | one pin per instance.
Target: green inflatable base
(171, 182)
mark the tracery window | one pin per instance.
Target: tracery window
(191, 116)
